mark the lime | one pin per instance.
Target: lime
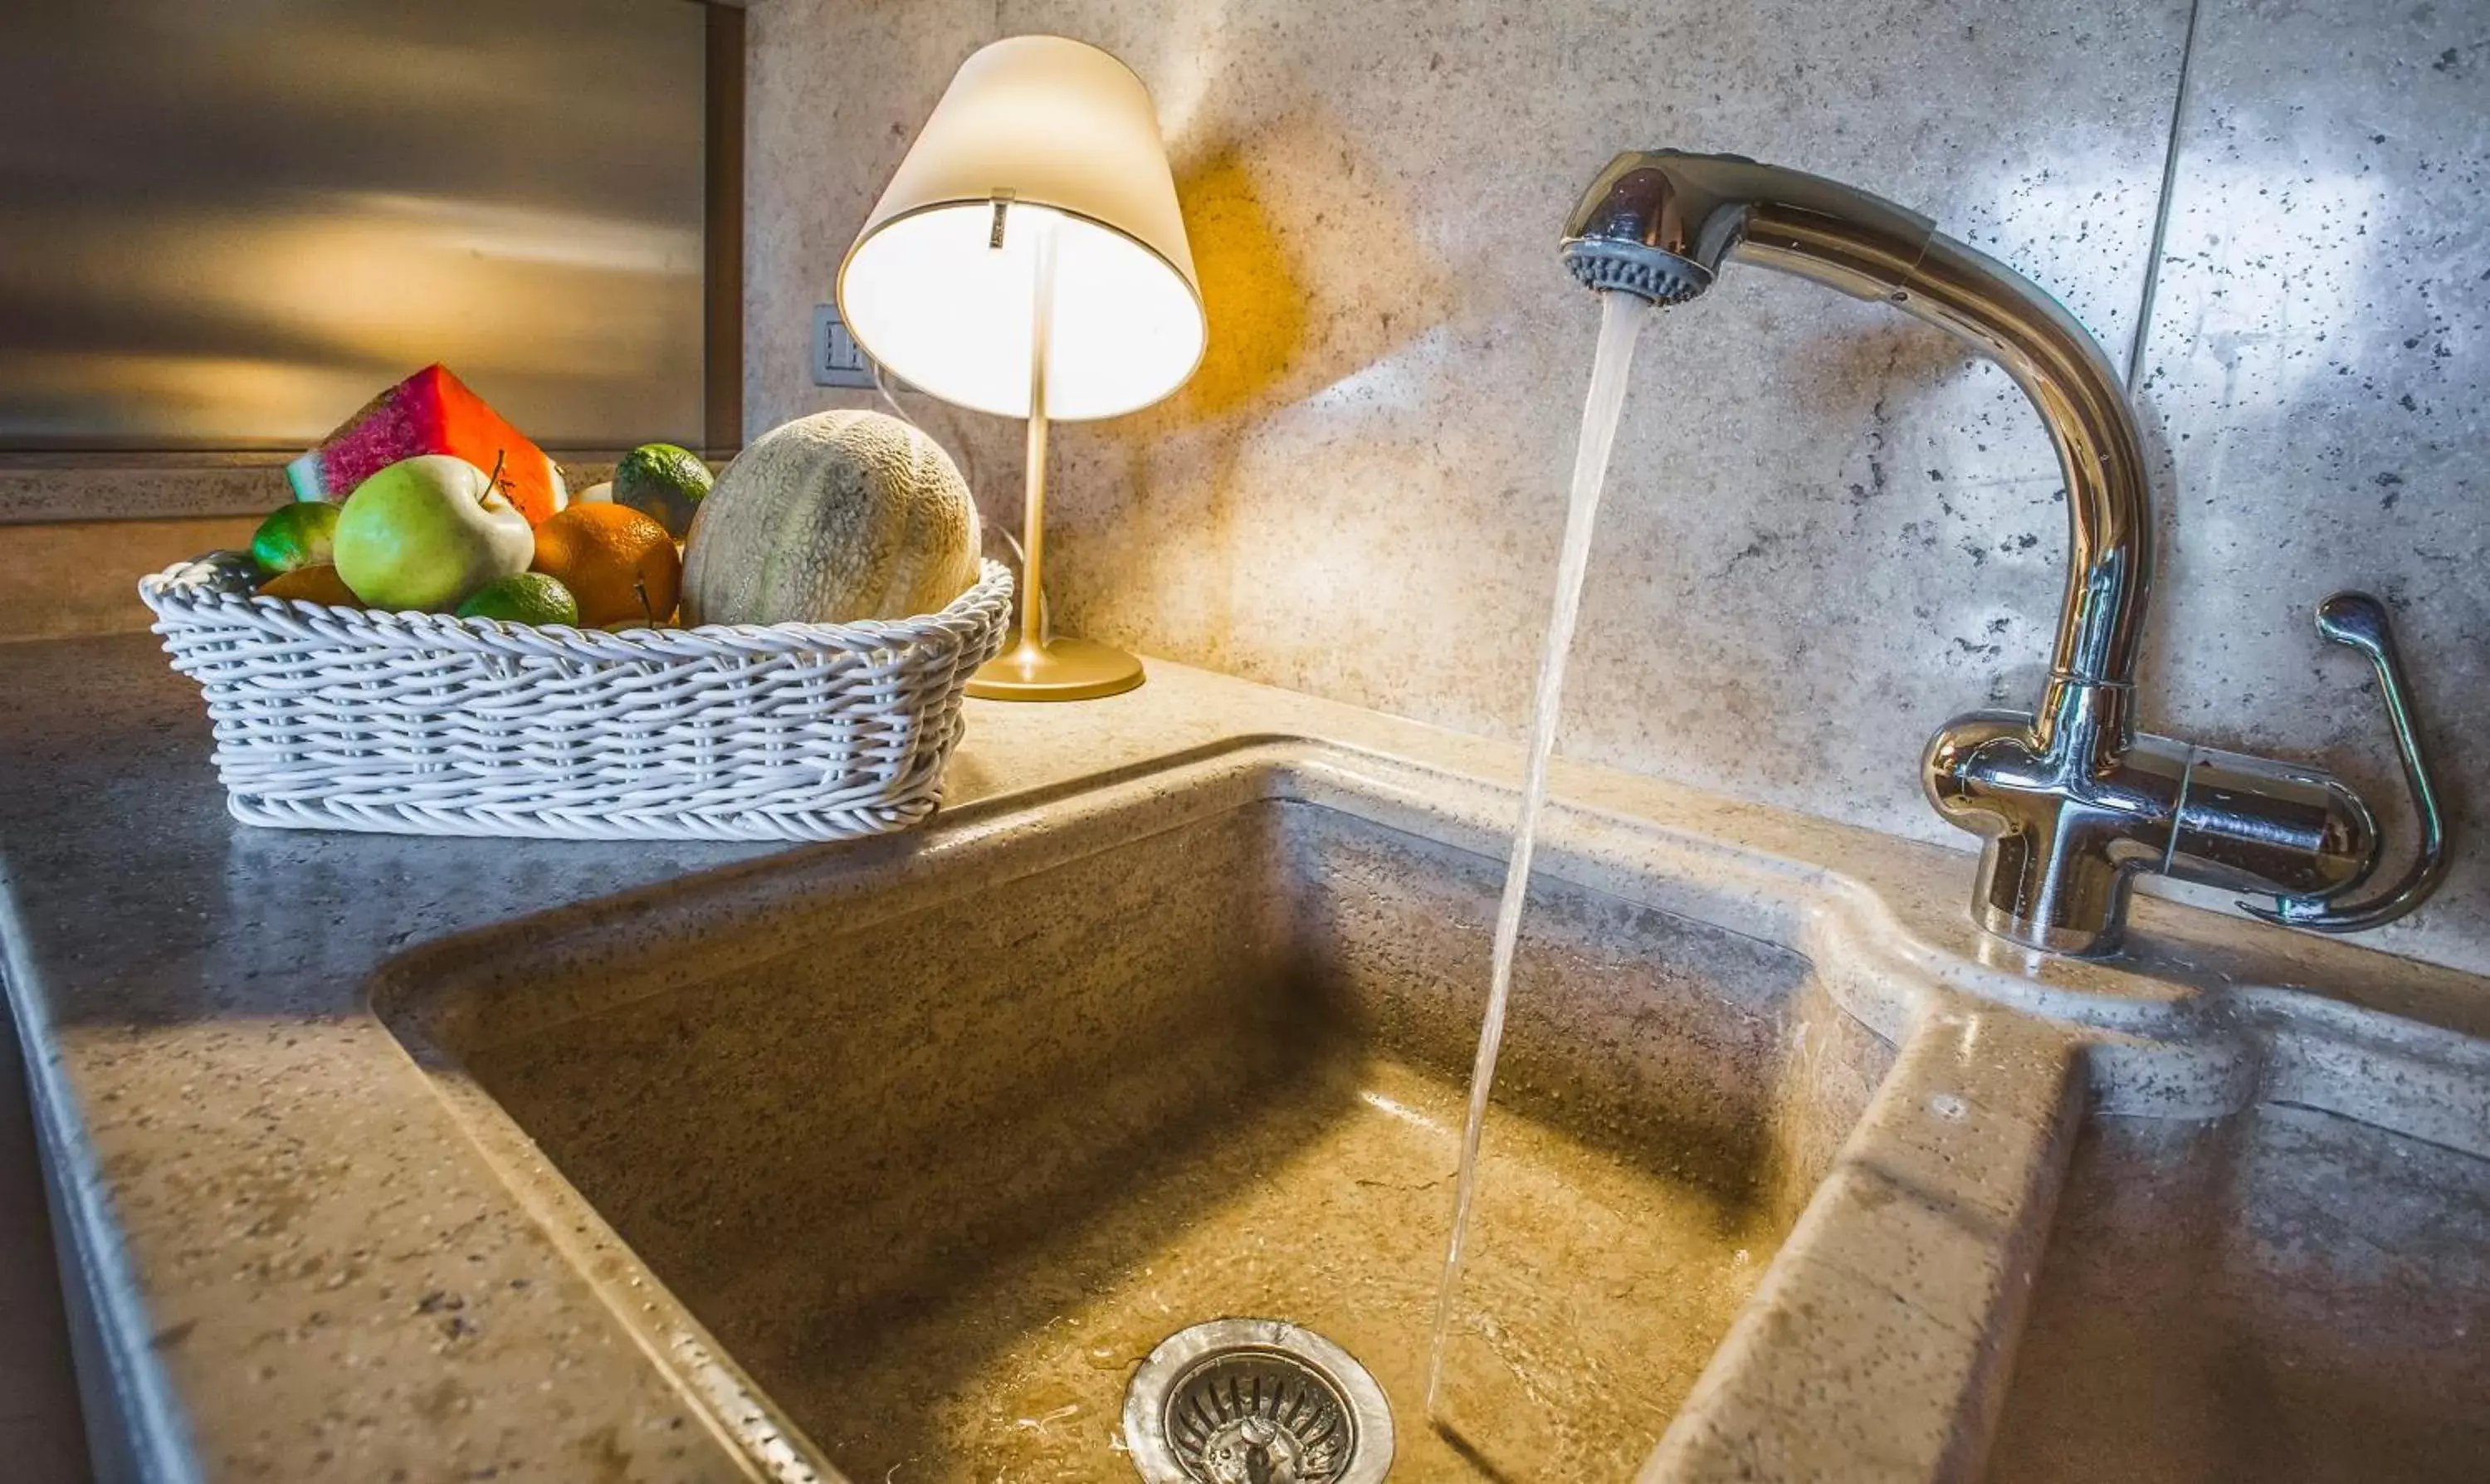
(295, 536)
(665, 482)
(528, 597)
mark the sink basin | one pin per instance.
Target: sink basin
(906, 1159)
(2282, 1294)
(935, 1139)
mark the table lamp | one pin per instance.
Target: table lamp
(1028, 259)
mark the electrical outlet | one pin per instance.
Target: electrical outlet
(838, 361)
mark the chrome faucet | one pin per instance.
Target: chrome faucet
(2072, 802)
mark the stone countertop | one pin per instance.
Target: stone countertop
(298, 1264)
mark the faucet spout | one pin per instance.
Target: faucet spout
(1671, 220)
(2070, 800)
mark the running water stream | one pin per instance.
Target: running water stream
(1621, 318)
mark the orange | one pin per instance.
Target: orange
(619, 563)
(319, 584)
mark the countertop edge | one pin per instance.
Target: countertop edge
(107, 1309)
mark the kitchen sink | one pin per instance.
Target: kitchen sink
(1096, 1132)
(933, 1139)
(2283, 1293)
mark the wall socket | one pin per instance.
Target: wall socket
(838, 361)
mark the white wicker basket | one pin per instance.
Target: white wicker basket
(420, 723)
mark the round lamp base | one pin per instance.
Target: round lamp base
(1065, 670)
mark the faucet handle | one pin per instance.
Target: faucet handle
(2360, 622)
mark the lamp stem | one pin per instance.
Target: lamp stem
(1032, 596)
(1039, 667)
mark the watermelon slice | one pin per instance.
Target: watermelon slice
(430, 412)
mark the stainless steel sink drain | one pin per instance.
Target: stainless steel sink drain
(1256, 1401)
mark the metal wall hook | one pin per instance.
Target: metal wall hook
(2359, 621)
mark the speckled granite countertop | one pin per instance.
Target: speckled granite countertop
(299, 1265)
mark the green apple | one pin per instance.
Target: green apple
(426, 533)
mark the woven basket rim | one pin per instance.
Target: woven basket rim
(195, 587)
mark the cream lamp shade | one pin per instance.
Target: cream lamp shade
(1040, 144)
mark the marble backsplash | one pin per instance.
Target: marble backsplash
(1828, 528)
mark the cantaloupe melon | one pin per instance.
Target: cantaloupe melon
(829, 519)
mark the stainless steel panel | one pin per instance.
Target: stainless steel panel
(226, 225)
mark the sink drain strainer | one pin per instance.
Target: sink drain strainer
(1256, 1401)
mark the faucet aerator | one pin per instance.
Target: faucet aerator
(1632, 268)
